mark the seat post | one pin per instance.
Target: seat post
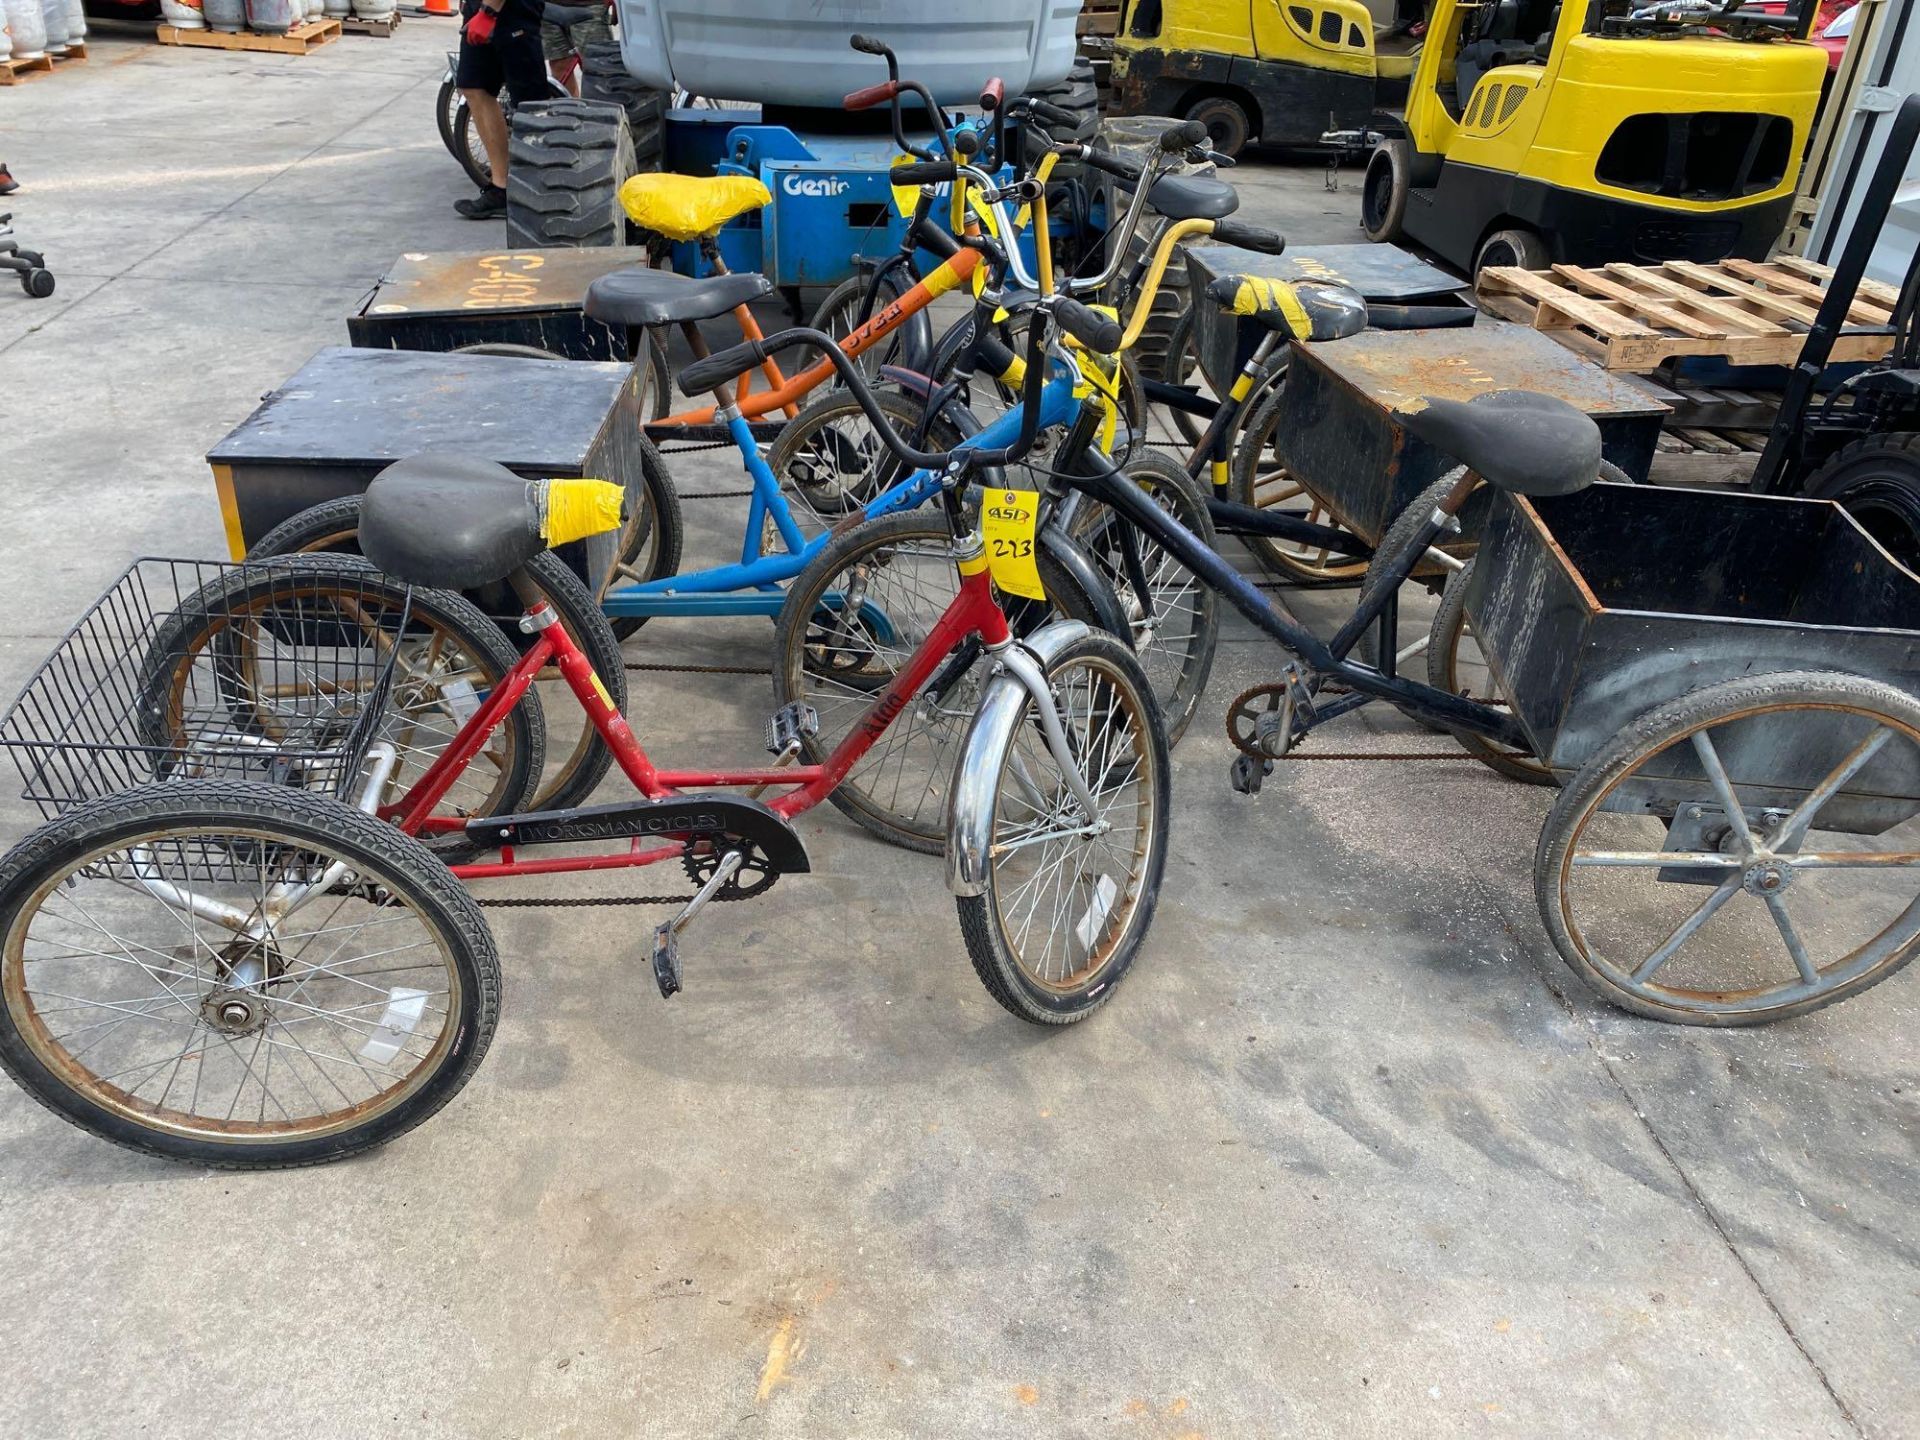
(749, 327)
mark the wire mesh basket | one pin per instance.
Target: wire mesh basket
(187, 669)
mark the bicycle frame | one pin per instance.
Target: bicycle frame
(752, 587)
(974, 614)
(1101, 480)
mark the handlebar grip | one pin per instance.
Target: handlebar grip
(872, 95)
(867, 45)
(1249, 237)
(921, 172)
(1183, 137)
(1052, 114)
(993, 94)
(1099, 333)
(720, 367)
(1116, 165)
(967, 142)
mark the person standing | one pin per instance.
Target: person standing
(499, 45)
(566, 31)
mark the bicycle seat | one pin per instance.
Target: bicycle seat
(659, 297)
(1304, 309)
(455, 522)
(1193, 197)
(685, 207)
(1514, 439)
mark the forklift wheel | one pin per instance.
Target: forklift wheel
(1226, 122)
(1383, 194)
(1522, 248)
(37, 283)
(1877, 480)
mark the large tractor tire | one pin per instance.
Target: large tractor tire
(1079, 94)
(1877, 479)
(1134, 135)
(565, 165)
(604, 76)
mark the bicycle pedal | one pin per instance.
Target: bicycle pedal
(1273, 732)
(789, 725)
(666, 960)
(1248, 773)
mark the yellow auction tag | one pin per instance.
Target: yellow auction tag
(1008, 519)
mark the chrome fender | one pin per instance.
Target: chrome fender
(970, 795)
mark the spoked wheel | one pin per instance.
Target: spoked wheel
(1713, 865)
(651, 530)
(850, 623)
(1259, 479)
(447, 656)
(239, 974)
(1176, 622)
(576, 761)
(1456, 664)
(1070, 894)
(830, 460)
(839, 316)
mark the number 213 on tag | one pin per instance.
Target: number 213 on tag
(1008, 519)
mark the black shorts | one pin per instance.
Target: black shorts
(512, 58)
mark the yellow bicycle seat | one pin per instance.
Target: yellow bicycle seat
(1303, 309)
(685, 207)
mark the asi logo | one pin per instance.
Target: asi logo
(1009, 509)
(818, 187)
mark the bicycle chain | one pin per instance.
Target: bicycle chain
(1259, 691)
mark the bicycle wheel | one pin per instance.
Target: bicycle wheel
(1739, 855)
(1181, 366)
(1177, 622)
(839, 315)
(577, 760)
(651, 533)
(1257, 478)
(144, 999)
(447, 658)
(1455, 664)
(830, 460)
(851, 621)
(1064, 911)
(469, 149)
(1429, 575)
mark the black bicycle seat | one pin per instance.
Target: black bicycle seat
(1515, 439)
(450, 521)
(1193, 197)
(1303, 309)
(659, 297)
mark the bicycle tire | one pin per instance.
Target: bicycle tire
(1450, 627)
(333, 527)
(205, 620)
(660, 528)
(1003, 959)
(923, 771)
(1252, 482)
(287, 825)
(839, 314)
(827, 457)
(1177, 670)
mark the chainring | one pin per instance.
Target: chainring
(1246, 709)
(754, 877)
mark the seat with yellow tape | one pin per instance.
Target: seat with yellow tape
(1300, 309)
(685, 207)
(455, 522)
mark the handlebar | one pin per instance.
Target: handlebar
(1249, 237)
(923, 172)
(867, 45)
(1099, 333)
(993, 94)
(872, 95)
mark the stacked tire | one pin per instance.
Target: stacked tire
(604, 77)
(566, 163)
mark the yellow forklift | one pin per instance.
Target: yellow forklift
(1538, 132)
(1282, 71)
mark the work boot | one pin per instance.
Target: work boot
(489, 204)
(7, 183)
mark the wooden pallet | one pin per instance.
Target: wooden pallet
(307, 35)
(12, 72)
(1638, 317)
(1098, 17)
(76, 50)
(354, 25)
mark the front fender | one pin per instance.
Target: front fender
(976, 772)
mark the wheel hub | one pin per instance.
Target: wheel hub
(1764, 877)
(235, 1012)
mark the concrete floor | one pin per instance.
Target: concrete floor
(1350, 1154)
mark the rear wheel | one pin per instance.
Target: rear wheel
(851, 622)
(1456, 665)
(1383, 194)
(1229, 127)
(831, 460)
(1878, 481)
(142, 999)
(1714, 863)
(1064, 911)
(574, 770)
(1520, 248)
(1259, 478)
(839, 315)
